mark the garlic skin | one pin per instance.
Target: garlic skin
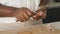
(49, 27)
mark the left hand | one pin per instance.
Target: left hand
(40, 14)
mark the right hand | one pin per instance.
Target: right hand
(23, 14)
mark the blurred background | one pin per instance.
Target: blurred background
(53, 12)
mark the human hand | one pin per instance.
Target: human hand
(40, 13)
(23, 14)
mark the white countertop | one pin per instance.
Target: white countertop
(10, 26)
(17, 25)
(55, 24)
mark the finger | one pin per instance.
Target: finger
(22, 18)
(44, 15)
(26, 16)
(18, 16)
(19, 19)
(29, 12)
(36, 17)
(40, 13)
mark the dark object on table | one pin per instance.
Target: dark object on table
(53, 15)
(57, 0)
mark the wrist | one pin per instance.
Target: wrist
(14, 11)
(43, 7)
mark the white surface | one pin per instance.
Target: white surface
(10, 26)
(7, 20)
(31, 4)
(55, 24)
(18, 25)
(13, 28)
(53, 4)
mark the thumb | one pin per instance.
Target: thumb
(37, 15)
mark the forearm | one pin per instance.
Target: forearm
(6, 11)
(43, 4)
